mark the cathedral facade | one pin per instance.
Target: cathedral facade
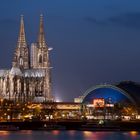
(29, 79)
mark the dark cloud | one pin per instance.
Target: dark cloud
(131, 20)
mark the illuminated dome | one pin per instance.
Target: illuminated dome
(109, 93)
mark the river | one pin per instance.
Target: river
(68, 135)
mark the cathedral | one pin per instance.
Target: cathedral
(29, 79)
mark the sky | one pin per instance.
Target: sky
(94, 41)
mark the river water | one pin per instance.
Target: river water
(68, 135)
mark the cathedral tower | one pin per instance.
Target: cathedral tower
(25, 82)
(39, 50)
(40, 59)
(21, 55)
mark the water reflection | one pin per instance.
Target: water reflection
(72, 132)
(87, 134)
(55, 132)
(4, 133)
(96, 135)
(68, 135)
(133, 133)
(27, 132)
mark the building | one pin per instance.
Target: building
(111, 101)
(78, 99)
(29, 79)
(110, 93)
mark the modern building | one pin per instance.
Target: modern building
(111, 101)
(78, 99)
(110, 93)
(29, 79)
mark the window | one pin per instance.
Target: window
(21, 61)
(40, 58)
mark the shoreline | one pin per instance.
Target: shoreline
(70, 125)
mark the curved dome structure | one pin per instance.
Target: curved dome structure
(132, 88)
(107, 92)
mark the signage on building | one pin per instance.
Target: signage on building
(98, 103)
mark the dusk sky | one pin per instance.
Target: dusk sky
(94, 41)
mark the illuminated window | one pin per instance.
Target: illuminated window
(21, 61)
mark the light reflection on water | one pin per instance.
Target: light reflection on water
(68, 135)
(4, 133)
(55, 132)
(133, 133)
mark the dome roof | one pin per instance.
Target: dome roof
(132, 88)
(108, 92)
(16, 71)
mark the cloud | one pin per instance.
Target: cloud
(128, 20)
(131, 20)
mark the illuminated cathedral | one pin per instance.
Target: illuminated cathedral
(29, 79)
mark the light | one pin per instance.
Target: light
(50, 48)
(28, 116)
(109, 105)
(87, 133)
(55, 132)
(47, 117)
(98, 102)
(4, 133)
(57, 99)
(1, 100)
(90, 105)
(133, 133)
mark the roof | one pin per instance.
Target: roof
(108, 92)
(16, 71)
(3, 73)
(34, 73)
(25, 73)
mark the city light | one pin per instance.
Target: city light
(58, 99)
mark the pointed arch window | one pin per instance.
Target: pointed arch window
(40, 58)
(21, 61)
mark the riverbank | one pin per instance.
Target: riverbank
(72, 125)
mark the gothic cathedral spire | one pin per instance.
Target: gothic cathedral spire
(40, 60)
(21, 54)
(21, 37)
(41, 37)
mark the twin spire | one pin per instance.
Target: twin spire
(22, 38)
(41, 37)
